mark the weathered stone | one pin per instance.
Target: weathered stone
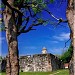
(39, 62)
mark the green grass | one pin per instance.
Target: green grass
(58, 72)
(62, 72)
(35, 73)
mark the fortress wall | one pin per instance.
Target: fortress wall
(39, 62)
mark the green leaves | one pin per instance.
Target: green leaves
(40, 20)
(31, 9)
(51, 1)
(38, 5)
(17, 2)
(67, 55)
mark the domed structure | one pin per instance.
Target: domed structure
(44, 50)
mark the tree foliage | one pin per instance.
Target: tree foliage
(66, 57)
(27, 14)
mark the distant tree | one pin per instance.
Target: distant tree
(66, 57)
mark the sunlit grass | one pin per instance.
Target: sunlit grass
(58, 72)
(63, 72)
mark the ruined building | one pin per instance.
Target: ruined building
(44, 62)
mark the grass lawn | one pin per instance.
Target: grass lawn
(61, 72)
(58, 72)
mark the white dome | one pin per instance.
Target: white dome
(44, 50)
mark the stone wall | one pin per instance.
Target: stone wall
(40, 62)
(56, 63)
(26, 63)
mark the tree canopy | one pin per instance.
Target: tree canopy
(66, 57)
(27, 14)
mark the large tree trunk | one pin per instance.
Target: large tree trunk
(70, 12)
(12, 67)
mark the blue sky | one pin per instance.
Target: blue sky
(53, 38)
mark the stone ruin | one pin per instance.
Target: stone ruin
(44, 62)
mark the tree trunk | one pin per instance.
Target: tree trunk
(12, 67)
(70, 13)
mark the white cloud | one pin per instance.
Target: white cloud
(54, 41)
(62, 36)
(58, 51)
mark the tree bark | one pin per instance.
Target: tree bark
(70, 13)
(12, 67)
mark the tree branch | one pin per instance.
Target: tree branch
(51, 14)
(66, 43)
(30, 28)
(21, 4)
(58, 19)
(19, 21)
(23, 28)
(30, 12)
(11, 7)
